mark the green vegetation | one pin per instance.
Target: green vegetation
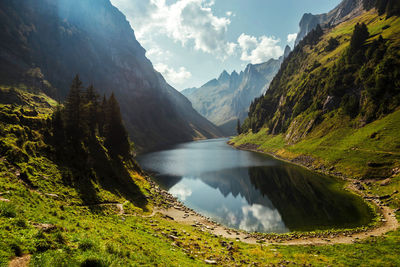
(64, 214)
(71, 196)
(339, 112)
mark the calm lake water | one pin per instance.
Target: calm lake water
(251, 191)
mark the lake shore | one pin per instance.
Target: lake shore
(388, 221)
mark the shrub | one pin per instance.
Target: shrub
(7, 210)
(86, 244)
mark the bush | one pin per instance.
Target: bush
(86, 244)
(7, 210)
(332, 44)
(16, 249)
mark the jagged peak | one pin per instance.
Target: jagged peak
(288, 49)
(213, 82)
(224, 77)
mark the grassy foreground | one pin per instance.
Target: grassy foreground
(44, 215)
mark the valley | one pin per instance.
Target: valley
(104, 163)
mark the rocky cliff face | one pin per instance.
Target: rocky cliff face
(61, 38)
(226, 99)
(347, 9)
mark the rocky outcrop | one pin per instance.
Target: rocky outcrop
(93, 38)
(347, 9)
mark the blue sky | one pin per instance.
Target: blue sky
(192, 41)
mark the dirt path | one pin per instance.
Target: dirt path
(182, 214)
(20, 261)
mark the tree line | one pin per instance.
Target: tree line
(84, 117)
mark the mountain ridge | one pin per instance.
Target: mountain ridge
(93, 38)
(225, 100)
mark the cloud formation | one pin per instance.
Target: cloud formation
(184, 21)
(176, 77)
(291, 38)
(258, 50)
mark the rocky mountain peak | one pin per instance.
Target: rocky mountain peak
(287, 51)
(347, 9)
(224, 77)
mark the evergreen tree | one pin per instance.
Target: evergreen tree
(101, 120)
(58, 125)
(92, 100)
(360, 35)
(116, 137)
(73, 110)
(238, 127)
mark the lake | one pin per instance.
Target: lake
(253, 192)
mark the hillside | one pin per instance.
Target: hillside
(340, 113)
(58, 211)
(44, 44)
(225, 100)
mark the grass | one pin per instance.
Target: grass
(49, 219)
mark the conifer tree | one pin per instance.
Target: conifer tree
(238, 128)
(101, 120)
(360, 35)
(73, 109)
(92, 100)
(116, 137)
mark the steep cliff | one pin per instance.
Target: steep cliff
(58, 39)
(347, 9)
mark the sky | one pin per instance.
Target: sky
(192, 41)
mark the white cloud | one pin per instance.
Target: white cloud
(157, 53)
(184, 21)
(229, 13)
(291, 38)
(258, 50)
(260, 218)
(181, 191)
(173, 76)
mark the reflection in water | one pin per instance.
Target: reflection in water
(253, 192)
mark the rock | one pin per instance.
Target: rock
(386, 182)
(45, 227)
(212, 262)
(52, 195)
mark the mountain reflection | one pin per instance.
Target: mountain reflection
(259, 194)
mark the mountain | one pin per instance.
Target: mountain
(347, 9)
(226, 99)
(335, 102)
(47, 42)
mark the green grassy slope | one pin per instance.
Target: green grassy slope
(333, 141)
(44, 215)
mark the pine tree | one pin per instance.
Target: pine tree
(58, 125)
(92, 100)
(73, 110)
(238, 128)
(101, 120)
(360, 35)
(116, 137)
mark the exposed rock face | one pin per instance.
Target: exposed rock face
(226, 99)
(94, 39)
(345, 10)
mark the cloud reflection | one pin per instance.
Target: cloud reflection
(181, 191)
(262, 219)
